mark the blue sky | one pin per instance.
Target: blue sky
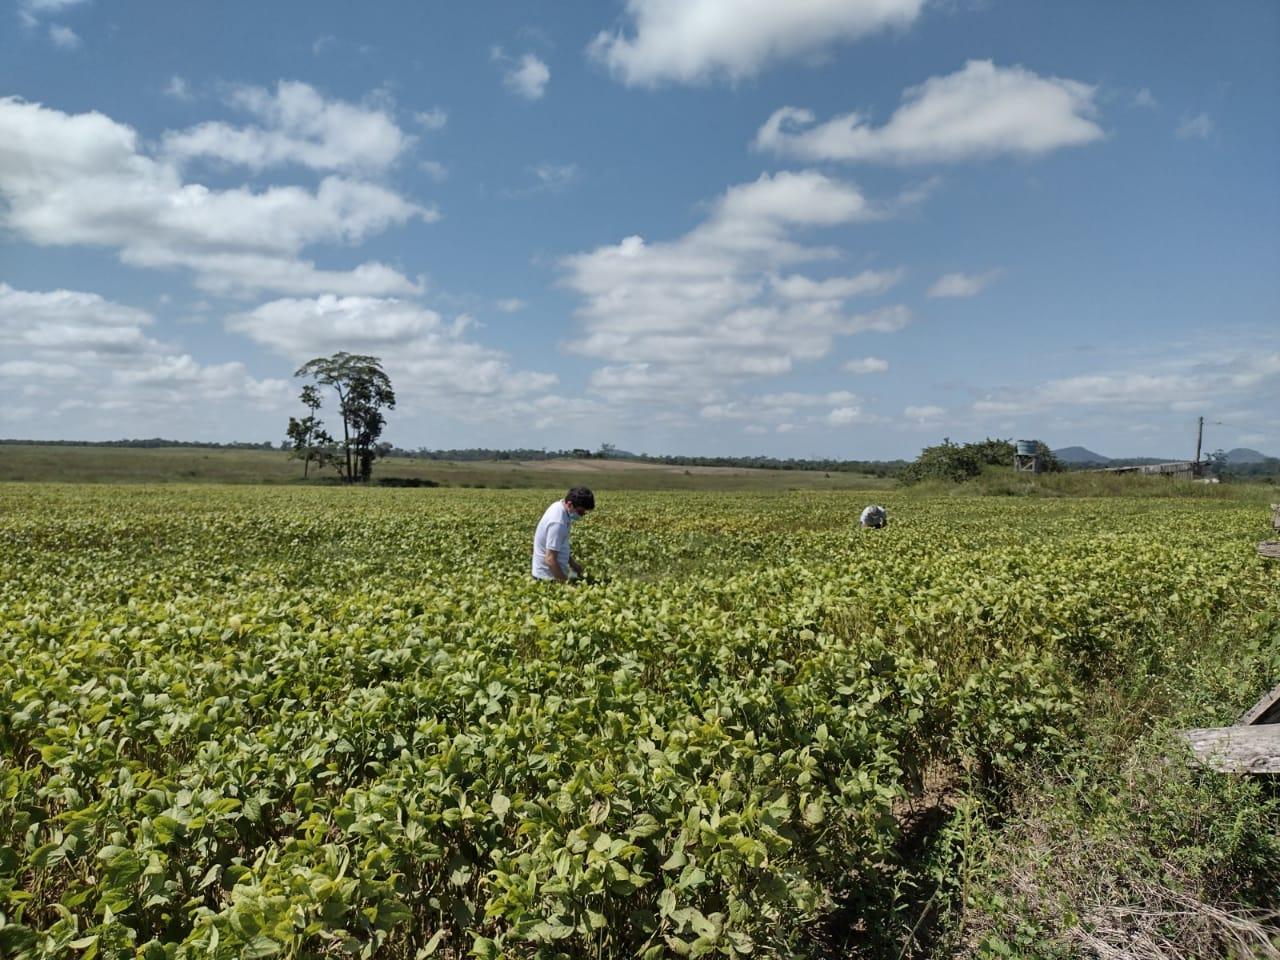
(828, 227)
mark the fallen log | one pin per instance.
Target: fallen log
(1269, 548)
(1254, 749)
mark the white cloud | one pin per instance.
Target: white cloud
(298, 126)
(962, 284)
(553, 176)
(511, 305)
(798, 287)
(981, 110)
(1184, 386)
(708, 309)
(30, 11)
(883, 320)
(64, 38)
(17, 370)
(692, 41)
(430, 361)
(866, 365)
(1144, 98)
(49, 6)
(926, 411)
(843, 416)
(528, 77)
(78, 352)
(177, 88)
(81, 179)
(783, 412)
(433, 119)
(1199, 127)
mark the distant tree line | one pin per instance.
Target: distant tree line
(884, 468)
(154, 442)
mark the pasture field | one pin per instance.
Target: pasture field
(327, 722)
(75, 463)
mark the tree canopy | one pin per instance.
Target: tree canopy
(364, 391)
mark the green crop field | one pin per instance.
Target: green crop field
(325, 722)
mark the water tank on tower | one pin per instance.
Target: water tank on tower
(1026, 456)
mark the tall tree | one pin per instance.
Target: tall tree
(363, 390)
(307, 434)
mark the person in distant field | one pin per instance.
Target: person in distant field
(874, 516)
(551, 557)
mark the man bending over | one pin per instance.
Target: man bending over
(551, 557)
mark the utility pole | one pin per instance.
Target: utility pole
(1199, 437)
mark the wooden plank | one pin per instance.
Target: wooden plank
(1253, 749)
(1266, 710)
(1269, 548)
(1275, 516)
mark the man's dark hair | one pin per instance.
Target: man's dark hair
(582, 498)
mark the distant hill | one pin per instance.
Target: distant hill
(1084, 457)
(1245, 455)
(1080, 455)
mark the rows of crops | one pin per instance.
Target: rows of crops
(247, 723)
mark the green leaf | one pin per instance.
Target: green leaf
(500, 805)
(260, 946)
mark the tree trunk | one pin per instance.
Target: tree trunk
(346, 435)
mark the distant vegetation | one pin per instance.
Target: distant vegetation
(958, 462)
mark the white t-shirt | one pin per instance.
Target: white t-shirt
(552, 534)
(874, 516)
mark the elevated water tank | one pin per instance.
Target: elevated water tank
(1027, 448)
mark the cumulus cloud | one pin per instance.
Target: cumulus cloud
(866, 365)
(64, 38)
(297, 125)
(526, 77)
(714, 307)
(76, 352)
(430, 361)
(693, 41)
(926, 411)
(1199, 127)
(82, 179)
(981, 110)
(961, 284)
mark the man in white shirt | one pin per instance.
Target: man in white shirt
(551, 558)
(874, 516)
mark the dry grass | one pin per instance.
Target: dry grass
(1168, 925)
